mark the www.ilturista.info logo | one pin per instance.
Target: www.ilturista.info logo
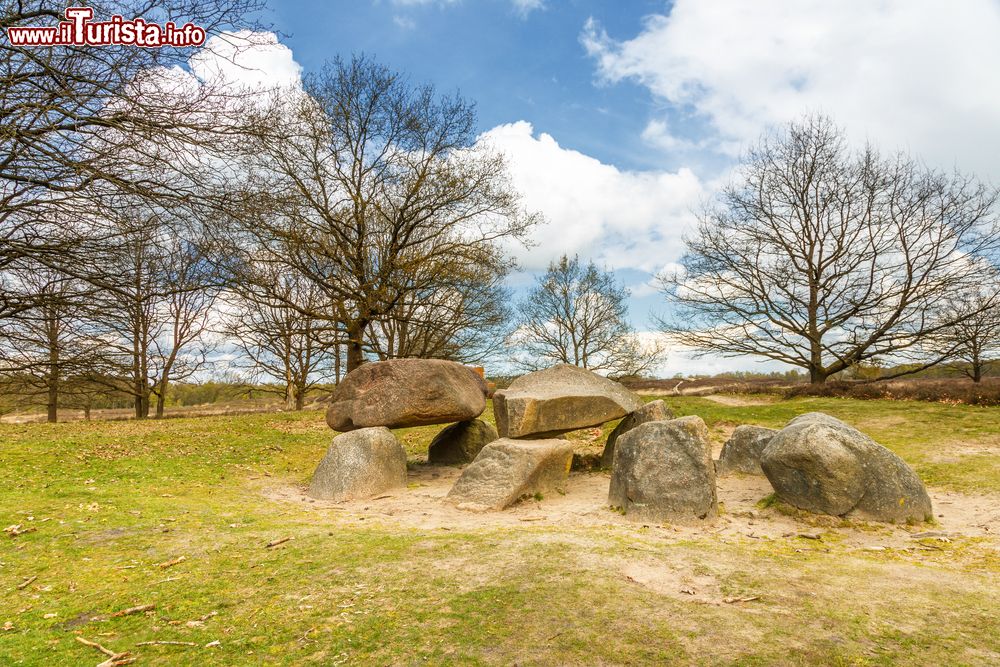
(79, 30)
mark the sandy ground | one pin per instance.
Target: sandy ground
(423, 505)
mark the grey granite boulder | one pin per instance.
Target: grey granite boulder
(507, 470)
(560, 399)
(360, 464)
(663, 471)
(743, 450)
(654, 411)
(820, 464)
(461, 442)
(406, 392)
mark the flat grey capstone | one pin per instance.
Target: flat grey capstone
(558, 400)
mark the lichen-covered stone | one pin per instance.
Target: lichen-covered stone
(663, 471)
(820, 464)
(406, 392)
(558, 400)
(654, 411)
(461, 442)
(360, 464)
(507, 470)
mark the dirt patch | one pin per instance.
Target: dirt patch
(737, 401)
(953, 451)
(422, 505)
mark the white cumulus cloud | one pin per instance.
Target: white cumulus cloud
(918, 75)
(622, 219)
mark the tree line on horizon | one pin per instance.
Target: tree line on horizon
(153, 224)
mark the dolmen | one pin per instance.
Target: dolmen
(367, 459)
(526, 460)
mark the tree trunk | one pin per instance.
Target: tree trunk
(336, 363)
(300, 397)
(355, 344)
(161, 399)
(53, 379)
(817, 375)
(291, 397)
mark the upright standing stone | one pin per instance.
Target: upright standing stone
(406, 392)
(360, 464)
(663, 471)
(461, 442)
(654, 411)
(560, 399)
(743, 450)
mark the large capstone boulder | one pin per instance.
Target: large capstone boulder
(654, 411)
(663, 471)
(743, 450)
(507, 470)
(461, 442)
(560, 399)
(406, 392)
(820, 464)
(360, 464)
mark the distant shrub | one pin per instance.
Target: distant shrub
(941, 391)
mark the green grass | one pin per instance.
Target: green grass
(110, 502)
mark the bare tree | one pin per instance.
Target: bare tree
(371, 188)
(156, 315)
(75, 119)
(49, 349)
(974, 338)
(578, 315)
(466, 317)
(823, 257)
(278, 341)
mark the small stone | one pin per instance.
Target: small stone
(743, 450)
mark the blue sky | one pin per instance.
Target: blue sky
(515, 66)
(621, 118)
